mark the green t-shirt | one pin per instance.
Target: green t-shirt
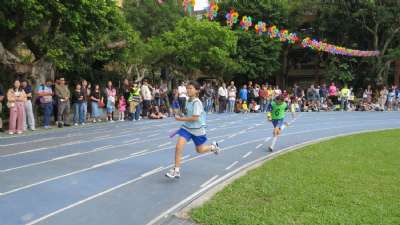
(278, 111)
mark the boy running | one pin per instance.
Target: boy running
(192, 129)
(276, 114)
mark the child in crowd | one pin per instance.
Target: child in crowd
(121, 108)
(245, 108)
(192, 129)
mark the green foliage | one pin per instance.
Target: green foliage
(74, 35)
(199, 45)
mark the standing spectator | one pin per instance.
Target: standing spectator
(121, 108)
(243, 93)
(250, 92)
(208, 96)
(175, 102)
(145, 90)
(16, 103)
(157, 95)
(63, 96)
(111, 93)
(29, 117)
(86, 94)
(232, 96)
(332, 94)
(45, 95)
(77, 104)
(1, 109)
(277, 91)
(134, 102)
(223, 96)
(263, 98)
(96, 99)
(55, 99)
(164, 93)
(383, 97)
(182, 96)
(323, 93)
(344, 96)
(125, 91)
(256, 93)
(297, 91)
(368, 94)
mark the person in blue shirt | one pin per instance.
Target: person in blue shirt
(243, 93)
(193, 129)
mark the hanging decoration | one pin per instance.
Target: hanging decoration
(260, 27)
(336, 50)
(273, 32)
(188, 6)
(246, 23)
(231, 18)
(212, 11)
(283, 35)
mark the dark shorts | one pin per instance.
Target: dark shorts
(197, 140)
(277, 123)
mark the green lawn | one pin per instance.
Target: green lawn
(348, 180)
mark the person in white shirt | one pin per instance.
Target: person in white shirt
(232, 97)
(182, 96)
(222, 96)
(145, 91)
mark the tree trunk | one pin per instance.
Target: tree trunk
(284, 79)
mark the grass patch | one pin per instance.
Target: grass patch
(347, 180)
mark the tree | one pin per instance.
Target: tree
(71, 36)
(196, 45)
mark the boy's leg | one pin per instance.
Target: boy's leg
(178, 151)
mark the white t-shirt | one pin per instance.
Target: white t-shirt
(146, 93)
(222, 92)
(182, 92)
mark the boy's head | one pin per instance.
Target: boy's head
(279, 99)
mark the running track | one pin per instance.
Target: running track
(113, 173)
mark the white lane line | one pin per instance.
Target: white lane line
(162, 145)
(39, 163)
(138, 153)
(247, 154)
(151, 172)
(221, 141)
(83, 201)
(213, 129)
(209, 181)
(20, 153)
(267, 139)
(185, 157)
(153, 135)
(232, 165)
(137, 179)
(79, 171)
(259, 146)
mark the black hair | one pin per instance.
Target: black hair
(195, 84)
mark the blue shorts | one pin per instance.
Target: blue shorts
(197, 140)
(277, 123)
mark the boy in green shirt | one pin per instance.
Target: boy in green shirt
(276, 114)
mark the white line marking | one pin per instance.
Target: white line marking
(247, 154)
(209, 181)
(105, 163)
(221, 141)
(162, 145)
(232, 165)
(267, 139)
(151, 172)
(20, 153)
(213, 129)
(185, 157)
(259, 146)
(153, 135)
(138, 153)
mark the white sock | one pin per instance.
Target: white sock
(177, 169)
(273, 142)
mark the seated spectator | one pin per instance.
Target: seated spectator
(254, 107)
(245, 108)
(238, 106)
(155, 113)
